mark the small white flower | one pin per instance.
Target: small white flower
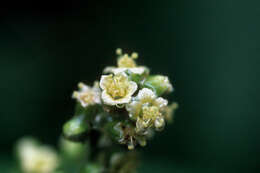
(145, 97)
(87, 95)
(36, 158)
(147, 110)
(117, 89)
(126, 63)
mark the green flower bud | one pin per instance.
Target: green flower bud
(114, 130)
(76, 128)
(72, 149)
(158, 83)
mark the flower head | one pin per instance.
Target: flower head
(147, 110)
(126, 63)
(128, 135)
(87, 95)
(117, 89)
(36, 158)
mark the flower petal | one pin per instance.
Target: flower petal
(132, 88)
(146, 93)
(103, 81)
(107, 99)
(161, 102)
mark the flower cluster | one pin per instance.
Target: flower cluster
(130, 96)
(87, 95)
(126, 106)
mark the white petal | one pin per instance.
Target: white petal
(107, 99)
(137, 70)
(132, 88)
(159, 123)
(108, 69)
(168, 83)
(97, 98)
(160, 102)
(146, 93)
(110, 101)
(124, 100)
(103, 81)
(119, 70)
(83, 104)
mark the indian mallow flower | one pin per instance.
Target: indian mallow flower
(147, 109)
(117, 89)
(126, 63)
(36, 158)
(87, 95)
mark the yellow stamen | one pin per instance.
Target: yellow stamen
(126, 62)
(117, 86)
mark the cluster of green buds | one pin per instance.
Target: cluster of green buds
(126, 106)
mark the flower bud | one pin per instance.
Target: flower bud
(76, 128)
(159, 84)
(73, 150)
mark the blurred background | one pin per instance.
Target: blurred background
(210, 49)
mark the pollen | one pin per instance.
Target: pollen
(150, 113)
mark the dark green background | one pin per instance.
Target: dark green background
(209, 48)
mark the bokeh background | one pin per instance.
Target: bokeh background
(210, 49)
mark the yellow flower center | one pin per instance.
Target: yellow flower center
(149, 114)
(117, 86)
(87, 97)
(126, 62)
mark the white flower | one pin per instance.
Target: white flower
(147, 110)
(126, 63)
(87, 95)
(117, 89)
(35, 158)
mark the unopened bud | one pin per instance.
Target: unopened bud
(159, 84)
(75, 128)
